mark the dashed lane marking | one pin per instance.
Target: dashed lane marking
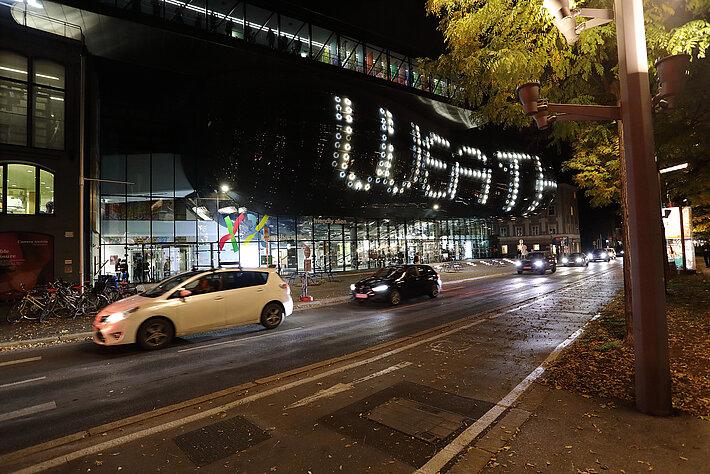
(21, 382)
(19, 361)
(27, 411)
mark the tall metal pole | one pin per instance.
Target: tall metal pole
(653, 383)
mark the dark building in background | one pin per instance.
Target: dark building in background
(555, 229)
(244, 134)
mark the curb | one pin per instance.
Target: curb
(59, 338)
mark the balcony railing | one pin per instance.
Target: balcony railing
(27, 17)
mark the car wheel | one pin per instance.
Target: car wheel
(541, 271)
(586, 264)
(520, 272)
(395, 297)
(272, 315)
(434, 291)
(155, 333)
(553, 269)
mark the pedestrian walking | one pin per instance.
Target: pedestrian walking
(271, 38)
(706, 254)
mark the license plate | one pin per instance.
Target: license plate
(360, 295)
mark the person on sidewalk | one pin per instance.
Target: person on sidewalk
(706, 254)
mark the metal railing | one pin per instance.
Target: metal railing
(24, 16)
(242, 21)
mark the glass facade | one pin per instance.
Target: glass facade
(160, 226)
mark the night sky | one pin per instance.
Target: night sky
(405, 23)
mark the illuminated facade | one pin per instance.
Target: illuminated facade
(248, 152)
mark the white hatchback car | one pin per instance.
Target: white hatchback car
(194, 302)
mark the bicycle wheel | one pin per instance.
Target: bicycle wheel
(32, 310)
(15, 312)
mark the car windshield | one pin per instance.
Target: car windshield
(576, 255)
(168, 284)
(536, 256)
(388, 272)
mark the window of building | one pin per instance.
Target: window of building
(48, 105)
(504, 249)
(518, 231)
(46, 192)
(534, 230)
(552, 229)
(29, 189)
(47, 97)
(13, 98)
(504, 232)
(551, 211)
(571, 210)
(536, 246)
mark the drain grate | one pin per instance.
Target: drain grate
(216, 441)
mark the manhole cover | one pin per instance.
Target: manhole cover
(417, 419)
(219, 440)
(380, 420)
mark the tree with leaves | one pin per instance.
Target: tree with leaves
(495, 45)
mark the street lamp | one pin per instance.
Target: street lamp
(639, 177)
(224, 188)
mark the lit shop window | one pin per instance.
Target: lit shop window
(29, 189)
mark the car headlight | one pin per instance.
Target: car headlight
(590, 256)
(538, 263)
(518, 263)
(352, 287)
(380, 288)
(604, 254)
(565, 260)
(116, 317)
(578, 260)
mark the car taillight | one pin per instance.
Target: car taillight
(283, 286)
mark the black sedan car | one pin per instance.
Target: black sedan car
(538, 262)
(575, 260)
(395, 283)
(598, 255)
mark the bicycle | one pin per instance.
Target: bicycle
(33, 306)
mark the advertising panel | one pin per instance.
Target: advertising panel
(679, 232)
(26, 260)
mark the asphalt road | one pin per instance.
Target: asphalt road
(72, 387)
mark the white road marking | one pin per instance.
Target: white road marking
(21, 382)
(446, 288)
(236, 341)
(110, 444)
(19, 361)
(461, 442)
(28, 411)
(344, 387)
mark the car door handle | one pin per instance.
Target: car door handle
(217, 298)
(259, 291)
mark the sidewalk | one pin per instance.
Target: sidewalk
(55, 330)
(566, 432)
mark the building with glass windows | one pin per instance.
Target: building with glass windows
(220, 133)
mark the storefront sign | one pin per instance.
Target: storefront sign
(437, 169)
(26, 260)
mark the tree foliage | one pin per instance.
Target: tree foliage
(495, 45)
